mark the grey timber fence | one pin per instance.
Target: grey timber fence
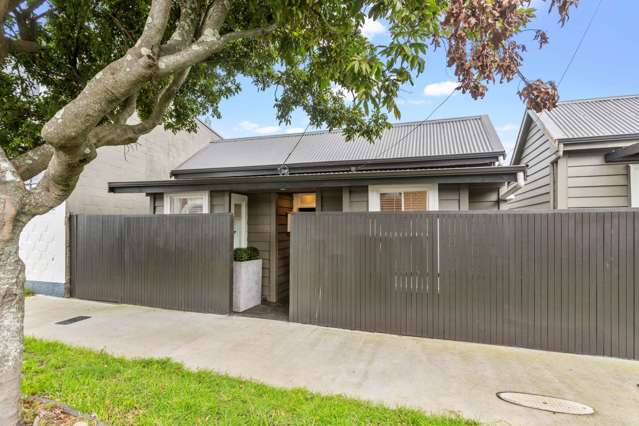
(182, 262)
(555, 280)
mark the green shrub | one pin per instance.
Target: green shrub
(245, 254)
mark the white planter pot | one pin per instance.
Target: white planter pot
(247, 284)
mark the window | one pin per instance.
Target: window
(408, 198)
(186, 203)
(302, 202)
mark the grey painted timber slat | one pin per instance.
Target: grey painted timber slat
(170, 261)
(562, 280)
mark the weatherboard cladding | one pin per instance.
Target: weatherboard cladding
(435, 138)
(589, 118)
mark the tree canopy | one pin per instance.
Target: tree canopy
(52, 49)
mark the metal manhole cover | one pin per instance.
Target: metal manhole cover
(546, 403)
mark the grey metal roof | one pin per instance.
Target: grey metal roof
(593, 118)
(446, 138)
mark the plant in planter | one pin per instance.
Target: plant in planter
(247, 278)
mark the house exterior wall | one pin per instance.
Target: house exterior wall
(220, 202)
(483, 197)
(284, 207)
(152, 158)
(43, 251)
(330, 200)
(591, 182)
(261, 230)
(355, 199)
(538, 154)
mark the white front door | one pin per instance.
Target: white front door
(239, 206)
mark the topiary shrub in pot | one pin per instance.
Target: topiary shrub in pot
(247, 278)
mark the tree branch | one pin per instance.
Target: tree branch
(33, 162)
(184, 29)
(123, 134)
(205, 47)
(15, 47)
(126, 110)
(8, 172)
(155, 24)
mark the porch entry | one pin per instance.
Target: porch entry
(564, 281)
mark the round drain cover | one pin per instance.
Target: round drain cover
(546, 403)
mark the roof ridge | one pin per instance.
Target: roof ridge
(597, 99)
(317, 132)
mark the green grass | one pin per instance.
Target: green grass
(162, 392)
(28, 292)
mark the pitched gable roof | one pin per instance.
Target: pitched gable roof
(436, 139)
(609, 117)
(584, 120)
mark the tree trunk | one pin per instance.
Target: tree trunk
(12, 279)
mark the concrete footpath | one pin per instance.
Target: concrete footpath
(433, 375)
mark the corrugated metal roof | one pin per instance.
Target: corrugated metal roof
(591, 118)
(435, 138)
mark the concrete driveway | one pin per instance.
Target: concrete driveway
(432, 375)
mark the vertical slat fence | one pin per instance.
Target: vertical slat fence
(182, 262)
(555, 280)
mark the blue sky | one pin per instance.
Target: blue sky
(606, 64)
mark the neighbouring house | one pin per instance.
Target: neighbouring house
(582, 154)
(44, 241)
(448, 164)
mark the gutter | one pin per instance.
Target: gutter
(334, 179)
(511, 189)
(345, 166)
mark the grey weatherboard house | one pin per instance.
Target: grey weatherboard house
(582, 154)
(449, 164)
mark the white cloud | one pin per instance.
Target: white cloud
(442, 88)
(267, 130)
(255, 129)
(248, 125)
(508, 127)
(371, 28)
(339, 90)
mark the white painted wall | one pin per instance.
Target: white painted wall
(42, 246)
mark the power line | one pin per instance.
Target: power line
(581, 40)
(450, 95)
(283, 169)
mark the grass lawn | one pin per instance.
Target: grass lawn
(162, 392)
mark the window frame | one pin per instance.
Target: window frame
(633, 185)
(170, 195)
(431, 189)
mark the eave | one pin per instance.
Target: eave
(492, 174)
(471, 159)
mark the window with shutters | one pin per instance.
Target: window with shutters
(409, 201)
(403, 198)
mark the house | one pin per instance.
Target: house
(43, 242)
(449, 164)
(582, 154)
